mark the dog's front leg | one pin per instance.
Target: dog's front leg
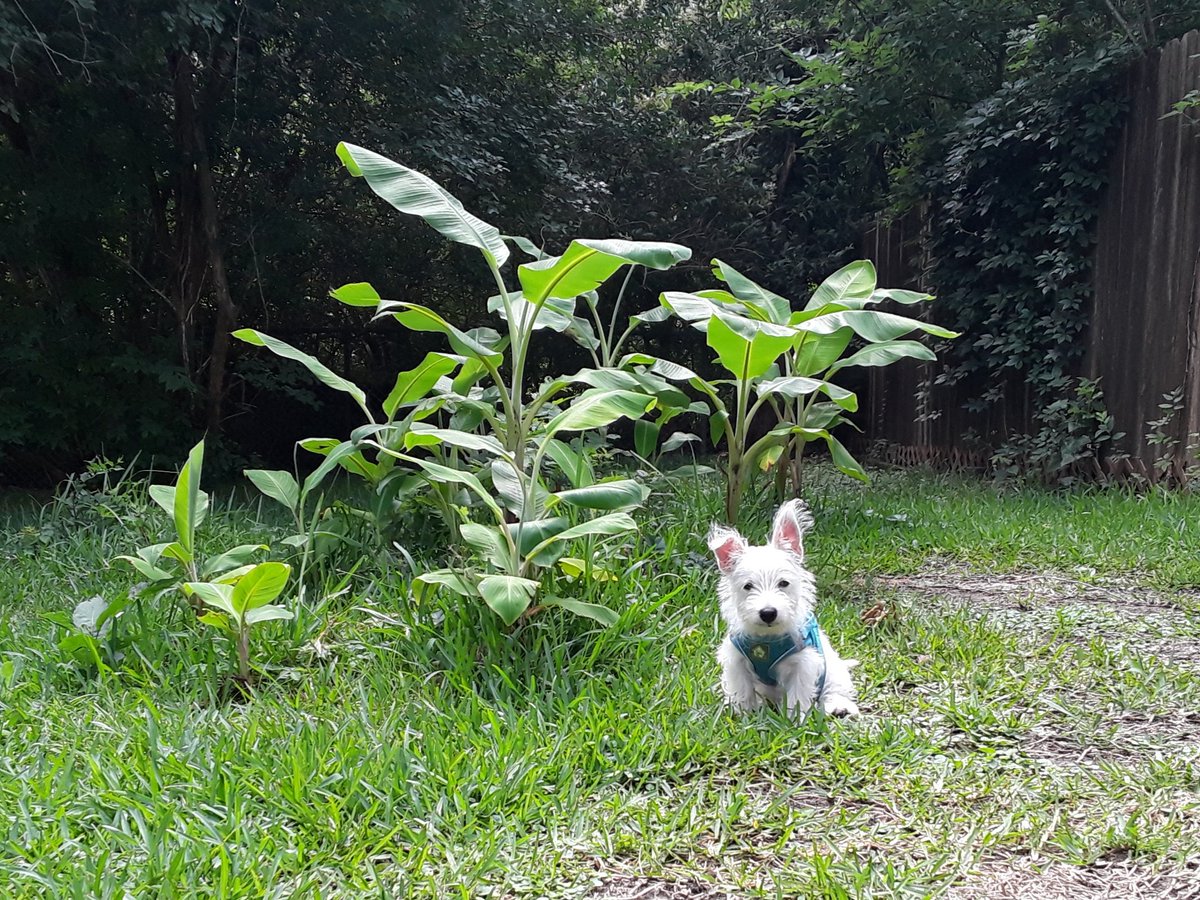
(737, 679)
(840, 695)
(798, 677)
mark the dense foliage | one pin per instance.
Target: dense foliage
(165, 177)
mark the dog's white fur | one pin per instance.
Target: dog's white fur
(773, 576)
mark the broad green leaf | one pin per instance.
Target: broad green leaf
(557, 314)
(799, 386)
(574, 465)
(899, 296)
(358, 294)
(581, 332)
(587, 264)
(638, 382)
(527, 535)
(815, 353)
(147, 570)
(490, 542)
(601, 526)
(187, 512)
(526, 246)
(623, 494)
(267, 614)
(574, 567)
(507, 595)
(855, 282)
(422, 435)
(597, 407)
(418, 195)
(446, 578)
(419, 318)
(657, 314)
(218, 620)
(886, 353)
(843, 460)
(231, 576)
(601, 614)
(414, 384)
(238, 556)
(277, 484)
(177, 552)
(776, 308)
(218, 596)
(694, 308)
(746, 348)
(678, 439)
(873, 325)
(446, 475)
(511, 488)
(333, 458)
(260, 586)
(645, 437)
(164, 496)
(323, 373)
(468, 376)
(347, 456)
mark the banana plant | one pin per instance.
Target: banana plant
(169, 565)
(234, 604)
(785, 359)
(484, 434)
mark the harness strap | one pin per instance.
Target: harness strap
(765, 654)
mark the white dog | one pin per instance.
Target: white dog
(775, 650)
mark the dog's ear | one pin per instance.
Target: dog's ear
(791, 522)
(727, 546)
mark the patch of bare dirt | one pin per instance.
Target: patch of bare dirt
(639, 887)
(1117, 880)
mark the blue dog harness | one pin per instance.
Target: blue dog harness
(764, 654)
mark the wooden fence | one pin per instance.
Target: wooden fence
(1143, 337)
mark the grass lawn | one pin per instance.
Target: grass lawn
(1031, 720)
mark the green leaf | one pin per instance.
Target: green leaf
(747, 349)
(638, 382)
(886, 353)
(815, 353)
(358, 294)
(333, 458)
(267, 614)
(799, 386)
(776, 308)
(574, 465)
(899, 296)
(873, 325)
(187, 511)
(527, 535)
(451, 580)
(436, 472)
(238, 556)
(601, 614)
(490, 542)
(596, 407)
(849, 284)
(421, 435)
(218, 596)
(414, 384)
(587, 264)
(147, 570)
(218, 620)
(420, 318)
(601, 526)
(260, 586)
(623, 494)
(657, 314)
(511, 487)
(325, 375)
(677, 440)
(418, 195)
(507, 595)
(645, 437)
(557, 314)
(277, 484)
(526, 246)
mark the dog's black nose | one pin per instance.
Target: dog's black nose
(768, 614)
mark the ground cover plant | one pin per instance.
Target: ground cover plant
(1028, 679)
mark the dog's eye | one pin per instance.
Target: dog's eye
(748, 586)
(785, 584)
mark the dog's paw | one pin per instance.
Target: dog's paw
(841, 707)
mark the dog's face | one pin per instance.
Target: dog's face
(765, 590)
